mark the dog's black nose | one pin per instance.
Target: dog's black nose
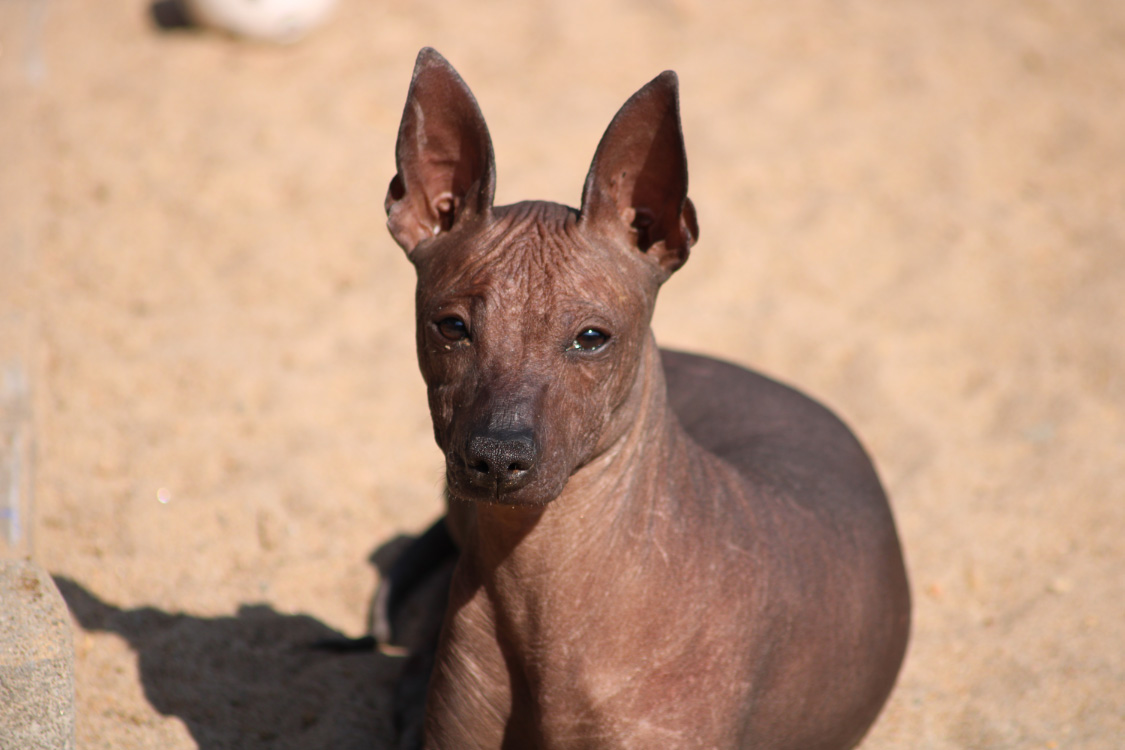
(502, 459)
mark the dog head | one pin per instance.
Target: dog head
(532, 318)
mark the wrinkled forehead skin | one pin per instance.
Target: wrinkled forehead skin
(537, 261)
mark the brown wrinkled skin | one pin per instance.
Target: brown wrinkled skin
(697, 557)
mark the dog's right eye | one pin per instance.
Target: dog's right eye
(453, 329)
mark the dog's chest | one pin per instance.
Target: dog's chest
(596, 671)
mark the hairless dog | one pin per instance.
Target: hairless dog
(656, 550)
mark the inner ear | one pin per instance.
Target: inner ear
(446, 168)
(637, 183)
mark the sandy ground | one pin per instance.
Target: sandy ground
(915, 211)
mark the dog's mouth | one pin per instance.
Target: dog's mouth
(530, 487)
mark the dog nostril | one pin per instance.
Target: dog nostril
(504, 457)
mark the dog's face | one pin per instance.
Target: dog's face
(532, 318)
(530, 332)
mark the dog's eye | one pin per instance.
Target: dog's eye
(453, 329)
(590, 340)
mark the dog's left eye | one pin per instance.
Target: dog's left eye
(590, 340)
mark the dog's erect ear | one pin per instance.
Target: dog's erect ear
(446, 170)
(637, 184)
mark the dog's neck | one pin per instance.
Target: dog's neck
(613, 546)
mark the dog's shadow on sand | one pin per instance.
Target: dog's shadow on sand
(253, 679)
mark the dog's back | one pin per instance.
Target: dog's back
(839, 601)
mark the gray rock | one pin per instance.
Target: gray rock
(36, 661)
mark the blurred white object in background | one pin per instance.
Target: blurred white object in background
(273, 20)
(15, 445)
